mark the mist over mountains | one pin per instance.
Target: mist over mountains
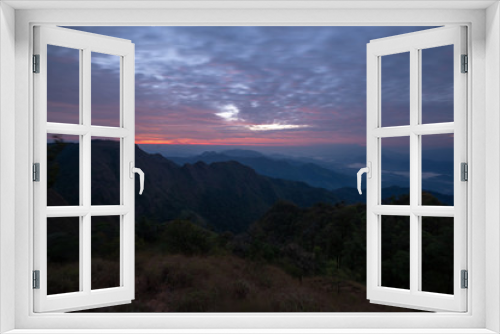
(332, 174)
(288, 169)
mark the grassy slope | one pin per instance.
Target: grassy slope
(226, 283)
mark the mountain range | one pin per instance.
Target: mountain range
(223, 195)
(437, 175)
(220, 195)
(288, 169)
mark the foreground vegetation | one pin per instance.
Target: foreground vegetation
(291, 260)
(227, 283)
(225, 239)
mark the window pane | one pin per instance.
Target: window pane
(396, 251)
(395, 171)
(437, 170)
(395, 78)
(63, 170)
(105, 252)
(63, 255)
(63, 85)
(105, 89)
(437, 84)
(437, 254)
(105, 171)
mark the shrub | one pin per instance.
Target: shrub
(181, 236)
(241, 289)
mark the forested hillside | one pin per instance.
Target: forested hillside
(222, 238)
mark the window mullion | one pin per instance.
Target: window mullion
(417, 135)
(86, 170)
(415, 247)
(460, 155)
(127, 155)
(40, 155)
(81, 231)
(85, 264)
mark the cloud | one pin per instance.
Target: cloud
(429, 175)
(356, 165)
(274, 127)
(247, 77)
(228, 112)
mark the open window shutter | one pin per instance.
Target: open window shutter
(414, 295)
(85, 293)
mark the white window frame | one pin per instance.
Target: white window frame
(482, 19)
(414, 43)
(124, 50)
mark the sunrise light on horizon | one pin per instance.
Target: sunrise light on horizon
(241, 86)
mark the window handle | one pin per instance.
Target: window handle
(368, 171)
(141, 176)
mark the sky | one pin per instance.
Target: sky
(251, 86)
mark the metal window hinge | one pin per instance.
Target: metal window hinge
(36, 279)
(465, 279)
(464, 171)
(36, 63)
(465, 64)
(36, 172)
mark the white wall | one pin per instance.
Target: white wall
(492, 147)
(23, 220)
(7, 160)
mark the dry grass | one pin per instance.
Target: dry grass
(179, 283)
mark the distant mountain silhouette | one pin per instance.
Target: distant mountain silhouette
(307, 172)
(351, 196)
(437, 175)
(224, 196)
(221, 195)
(396, 192)
(242, 153)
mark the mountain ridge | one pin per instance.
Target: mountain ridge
(310, 173)
(222, 195)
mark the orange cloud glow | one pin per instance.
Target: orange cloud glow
(244, 141)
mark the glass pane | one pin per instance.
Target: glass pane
(437, 84)
(396, 251)
(395, 78)
(437, 170)
(437, 254)
(105, 89)
(395, 171)
(63, 255)
(105, 252)
(63, 85)
(105, 169)
(63, 170)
